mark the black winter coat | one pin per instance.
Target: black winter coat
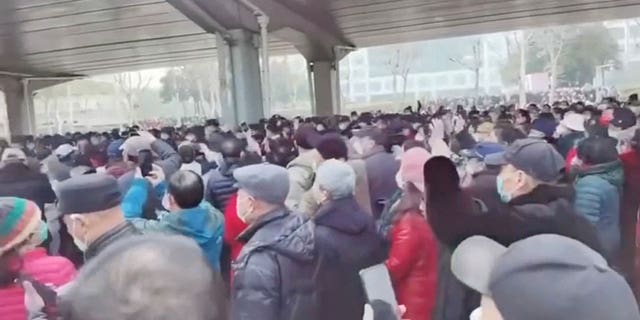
(221, 185)
(547, 209)
(274, 274)
(347, 242)
(18, 180)
(456, 214)
(119, 232)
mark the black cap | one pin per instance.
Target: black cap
(88, 193)
(623, 118)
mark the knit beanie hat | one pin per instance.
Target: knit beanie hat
(19, 218)
(411, 165)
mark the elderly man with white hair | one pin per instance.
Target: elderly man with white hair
(346, 240)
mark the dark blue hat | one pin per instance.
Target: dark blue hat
(113, 150)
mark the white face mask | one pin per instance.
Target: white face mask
(81, 244)
(164, 136)
(165, 201)
(399, 180)
(476, 314)
(244, 216)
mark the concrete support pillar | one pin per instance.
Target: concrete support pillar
(225, 89)
(326, 87)
(20, 111)
(245, 70)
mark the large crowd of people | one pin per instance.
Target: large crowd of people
(482, 213)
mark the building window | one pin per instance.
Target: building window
(424, 82)
(359, 88)
(442, 80)
(459, 79)
(388, 86)
(375, 86)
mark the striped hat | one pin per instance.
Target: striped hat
(19, 218)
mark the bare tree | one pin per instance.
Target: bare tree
(523, 40)
(400, 65)
(552, 42)
(474, 63)
(132, 87)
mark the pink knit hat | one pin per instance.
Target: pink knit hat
(411, 166)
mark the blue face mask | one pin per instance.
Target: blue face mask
(504, 196)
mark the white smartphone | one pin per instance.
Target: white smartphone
(379, 290)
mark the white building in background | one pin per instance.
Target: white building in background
(367, 75)
(62, 108)
(627, 34)
(432, 69)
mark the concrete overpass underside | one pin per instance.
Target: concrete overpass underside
(61, 38)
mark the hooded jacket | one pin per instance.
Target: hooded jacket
(598, 189)
(204, 223)
(347, 242)
(273, 276)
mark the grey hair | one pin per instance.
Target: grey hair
(150, 277)
(337, 178)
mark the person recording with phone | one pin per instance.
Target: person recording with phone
(186, 211)
(167, 158)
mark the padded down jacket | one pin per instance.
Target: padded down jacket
(274, 274)
(413, 265)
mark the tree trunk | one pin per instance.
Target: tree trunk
(523, 70)
(477, 82)
(201, 95)
(58, 120)
(70, 106)
(553, 79)
(405, 78)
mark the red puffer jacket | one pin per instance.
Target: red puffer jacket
(233, 226)
(49, 270)
(413, 265)
(629, 218)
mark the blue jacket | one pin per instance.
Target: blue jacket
(598, 199)
(204, 224)
(222, 185)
